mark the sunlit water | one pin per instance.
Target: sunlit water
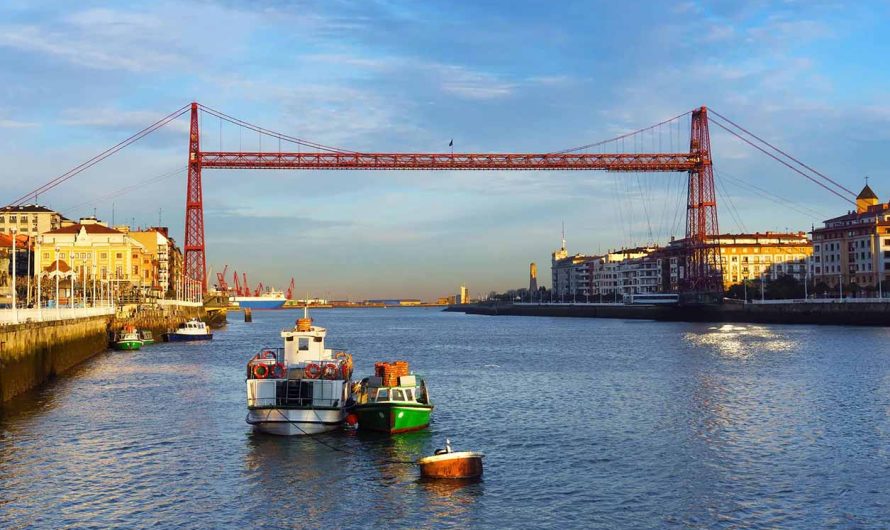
(585, 423)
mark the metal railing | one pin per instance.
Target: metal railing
(22, 315)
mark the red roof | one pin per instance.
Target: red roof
(63, 267)
(90, 229)
(21, 240)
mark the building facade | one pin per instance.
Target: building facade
(854, 249)
(29, 219)
(93, 250)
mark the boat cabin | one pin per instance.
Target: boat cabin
(411, 389)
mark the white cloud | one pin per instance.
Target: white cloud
(15, 124)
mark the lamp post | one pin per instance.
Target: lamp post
(58, 310)
(83, 271)
(15, 310)
(39, 289)
(29, 272)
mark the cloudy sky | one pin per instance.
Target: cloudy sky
(496, 76)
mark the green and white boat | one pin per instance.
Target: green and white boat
(128, 339)
(392, 409)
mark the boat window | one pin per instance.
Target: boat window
(409, 395)
(289, 339)
(398, 395)
(304, 343)
(383, 394)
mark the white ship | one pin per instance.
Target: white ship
(270, 299)
(301, 388)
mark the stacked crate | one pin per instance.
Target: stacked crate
(389, 373)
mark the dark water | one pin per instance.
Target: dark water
(585, 423)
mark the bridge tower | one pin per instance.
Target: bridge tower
(195, 263)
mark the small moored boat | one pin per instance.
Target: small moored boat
(194, 329)
(146, 336)
(127, 339)
(393, 401)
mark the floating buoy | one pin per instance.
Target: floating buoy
(449, 464)
(351, 419)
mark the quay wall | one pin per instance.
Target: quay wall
(829, 313)
(33, 352)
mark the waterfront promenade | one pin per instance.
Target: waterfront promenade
(852, 312)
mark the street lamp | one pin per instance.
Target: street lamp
(58, 310)
(15, 310)
(39, 288)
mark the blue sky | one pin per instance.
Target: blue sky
(409, 76)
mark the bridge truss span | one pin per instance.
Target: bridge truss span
(673, 162)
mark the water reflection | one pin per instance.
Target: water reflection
(740, 342)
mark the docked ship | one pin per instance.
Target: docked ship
(270, 299)
(301, 388)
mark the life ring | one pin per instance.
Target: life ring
(279, 371)
(312, 371)
(330, 371)
(268, 354)
(261, 371)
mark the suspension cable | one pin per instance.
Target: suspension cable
(267, 132)
(620, 137)
(764, 151)
(103, 155)
(783, 152)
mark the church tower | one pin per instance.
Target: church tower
(865, 199)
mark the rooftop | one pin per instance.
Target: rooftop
(867, 193)
(26, 208)
(89, 228)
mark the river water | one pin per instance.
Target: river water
(585, 423)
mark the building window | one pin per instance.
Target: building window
(119, 255)
(104, 255)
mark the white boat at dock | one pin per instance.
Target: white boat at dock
(301, 388)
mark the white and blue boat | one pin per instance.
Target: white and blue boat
(194, 329)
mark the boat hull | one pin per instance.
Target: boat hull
(179, 337)
(260, 303)
(393, 418)
(295, 422)
(127, 345)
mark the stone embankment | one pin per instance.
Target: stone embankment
(828, 313)
(34, 352)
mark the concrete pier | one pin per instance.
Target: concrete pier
(34, 352)
(846, 313)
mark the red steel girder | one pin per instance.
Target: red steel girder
(195, 268)
(445, 161)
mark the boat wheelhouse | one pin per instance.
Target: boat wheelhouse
(301, 388)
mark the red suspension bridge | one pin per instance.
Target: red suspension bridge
(702, 260)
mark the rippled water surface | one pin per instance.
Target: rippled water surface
(585, 423)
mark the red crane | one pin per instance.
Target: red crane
(221, 280)
(289, 295)
(259, 289)
(701, 253)
(237, 284)
(245, 288)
